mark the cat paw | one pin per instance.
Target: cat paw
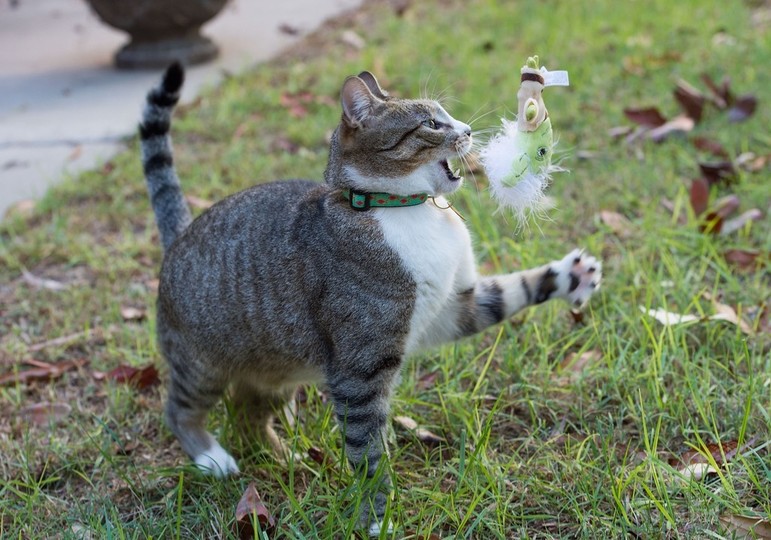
(217, 462)
(580, 275)
(376, 527)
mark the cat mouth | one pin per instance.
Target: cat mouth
(451, 176)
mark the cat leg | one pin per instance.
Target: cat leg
(255, 410)
(361, 392)
(493, 299)
(193, 391)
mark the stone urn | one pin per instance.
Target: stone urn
(161, 31)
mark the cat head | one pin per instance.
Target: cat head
(392, 145)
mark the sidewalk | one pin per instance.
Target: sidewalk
(64, 109)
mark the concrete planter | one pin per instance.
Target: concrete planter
(161, 30)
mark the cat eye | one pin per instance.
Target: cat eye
(541, 152)
(430, 123)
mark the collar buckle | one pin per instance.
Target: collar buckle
(359, 200)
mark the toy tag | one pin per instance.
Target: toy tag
(555, 78)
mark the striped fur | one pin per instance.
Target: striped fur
(284, 283)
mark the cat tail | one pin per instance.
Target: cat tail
(171, 210)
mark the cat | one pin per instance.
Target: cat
(294, 282)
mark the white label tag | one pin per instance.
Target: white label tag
(555, 78)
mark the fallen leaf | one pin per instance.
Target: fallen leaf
(648, 117)
(749, 527)
(140, 377)
(721, 452)
(721, 93)
(743, 259)
(620, 131)
(619, 224)
(197, 202)
(427, 437)
(697, 471)
(724, 207)
(727, 313)
(576, 315)
(737, 223)
(749, 162)
(719, 172)
(711, 146)
(678, 125)
(406, 422)
(42, 283)
(427, 381)
(743, 108)
(690, 99)
(317, 455)
(699, 196)
(132, 314)
(577, 362)
(249, 508)
(45, 413)
(669, 318)
(42, 371)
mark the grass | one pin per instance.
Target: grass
(533, 447)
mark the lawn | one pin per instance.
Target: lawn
(552, 425)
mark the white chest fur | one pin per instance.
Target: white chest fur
(435, 247)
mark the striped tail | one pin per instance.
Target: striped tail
(171, 210)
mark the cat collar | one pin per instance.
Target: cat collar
(361, 200)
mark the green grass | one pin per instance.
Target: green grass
(532, 449)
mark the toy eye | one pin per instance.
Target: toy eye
(430, 123)
(540, 153)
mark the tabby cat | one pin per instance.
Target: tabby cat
(294, 282)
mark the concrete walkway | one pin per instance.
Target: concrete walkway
(64, 109)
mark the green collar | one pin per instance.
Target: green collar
(361, 200)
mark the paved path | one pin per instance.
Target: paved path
(64, 109)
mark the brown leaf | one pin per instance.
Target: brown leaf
(197, 202)
(749, 162)
(749, 527)
(140, 377)
(699, 196)
(743, 108)
(677, 126)
(42, 283)
(711, 146)
(577, 362)
(719, 172)
(406, 422)
(743, 259)
(721, 93)
(690, 99)
(45, 413)
(619, 224)
(132, 314)
(427, 381)
(427, 437)
(317, 455)
(724, 312)
(43, 371)
(649, 117)
(721, 452)
(250, 507)
(737, 223)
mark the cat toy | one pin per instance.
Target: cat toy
(517, 160)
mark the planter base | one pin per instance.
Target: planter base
(159, 54)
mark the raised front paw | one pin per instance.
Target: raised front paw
(579, 275)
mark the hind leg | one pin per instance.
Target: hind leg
(193, 391)
(255, 409)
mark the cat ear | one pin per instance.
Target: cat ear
(371, 82)
(358, 102)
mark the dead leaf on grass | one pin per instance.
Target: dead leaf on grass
(743, 259)
(42, 283)
(719, 172)
(249, 508)
(699, 196)
(750, 162)
(677, 126)
(43, 371)
(142, 377)
(749, 527)
(45, 413)
(574, 364)
(422, 434)
(690, 99)
(743, 108)
(132, 314)
(406, 422)
(669, 318)
(648, 117)
(721, 93)
(317, 455)
(427, 381)
(724, 312)
(618, 223)
(711, 146)
(737, 223)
